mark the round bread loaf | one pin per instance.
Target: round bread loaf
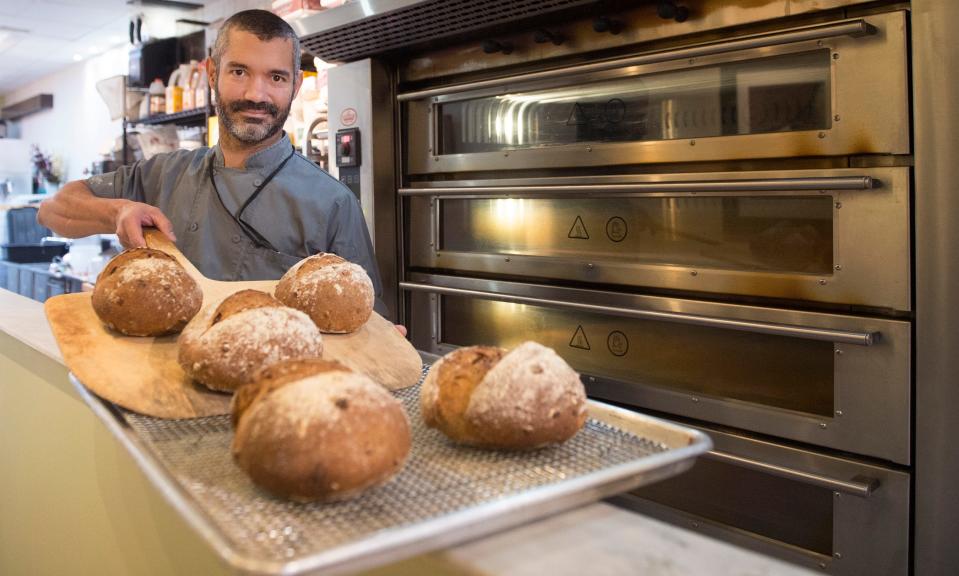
(224, 346)
(145, 292)
(313, 430)
(513, 400)
(337, 294)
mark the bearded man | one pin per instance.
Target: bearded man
(246, 209)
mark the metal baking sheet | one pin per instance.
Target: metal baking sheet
(446, 494)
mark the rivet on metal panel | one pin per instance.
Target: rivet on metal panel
(822, 565)
(836, 118)
(819, 43)
(589, 266)
(695, 524)
(838, 352)
(822, 282)
(837, 555)
(507, 259)
(505, 154)
(436, 158)
(835, 55)
(838, 413)
(592, 378)
(838, 205)
(821, 135)
(694, 399)
(693, 273)
(838, 267)
(431, 243)
(837, 494)
(823, 425)
(692, 142)
(691, 60)
(589, 148)
(429, 149)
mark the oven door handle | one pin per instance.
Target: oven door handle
(767, 184)
(805, 332)
(859, 486)
(854, 28)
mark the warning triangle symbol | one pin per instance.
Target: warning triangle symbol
(578, 230)
(579, 339)
(577, 116)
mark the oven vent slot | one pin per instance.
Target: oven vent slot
(430, 20)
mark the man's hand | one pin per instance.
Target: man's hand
(133, 216)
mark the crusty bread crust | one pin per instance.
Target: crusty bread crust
(145, 292)
(320, 432)
(335, 293)
(523, 399)
(223, 347)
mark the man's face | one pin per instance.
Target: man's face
(255, 86)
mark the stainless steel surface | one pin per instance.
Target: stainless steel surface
(796, 519)
(603, 190)
(794, 243)
(847, 397)
(853, 28)
(935, 57)
(366, 88)
(371, 27)
(861, 489)
(860, 120)
(444, 495)
(805, 332)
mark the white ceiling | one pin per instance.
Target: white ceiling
(39, 37)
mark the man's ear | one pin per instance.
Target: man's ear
(211, 73)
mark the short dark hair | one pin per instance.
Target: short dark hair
(264, 24)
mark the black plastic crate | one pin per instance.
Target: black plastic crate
(34, 252)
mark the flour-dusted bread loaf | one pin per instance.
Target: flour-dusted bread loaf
(312, 430)
(224, 346)
(145, 292)
(489, 397)
(337, 294)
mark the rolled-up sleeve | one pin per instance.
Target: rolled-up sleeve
(139, 182)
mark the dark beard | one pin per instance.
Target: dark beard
(251, 132)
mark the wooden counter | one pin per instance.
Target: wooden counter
(72, 500)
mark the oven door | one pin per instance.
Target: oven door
(838, 88)
(835, 514)
(827, 379)
(831, 236)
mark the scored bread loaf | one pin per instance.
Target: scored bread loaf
(145, 292)
(224, 346)
(313, 430)
(489, 397)
(337, 294)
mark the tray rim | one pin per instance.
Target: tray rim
(395, 544)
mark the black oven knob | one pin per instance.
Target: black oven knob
(668, 10)
(542, 36)
(494, 46)
(607, 24)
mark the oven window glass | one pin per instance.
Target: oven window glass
(776, 94)
(789, 234)
(772, 371)
(778, 508)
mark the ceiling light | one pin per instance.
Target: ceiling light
(77, 57)
(93, 49)
(167, 4)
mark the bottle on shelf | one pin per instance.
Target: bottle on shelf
(202, 86)
(157, 97)
(188, 84)
(174, 91)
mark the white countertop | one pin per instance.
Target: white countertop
(596, 540)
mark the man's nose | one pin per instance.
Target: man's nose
(256, 90)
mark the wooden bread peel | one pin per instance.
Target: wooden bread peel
(142, 373)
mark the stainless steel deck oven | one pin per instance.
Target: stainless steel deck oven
(713, 211)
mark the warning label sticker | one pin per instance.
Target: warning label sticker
(578, 230)
(579, 339)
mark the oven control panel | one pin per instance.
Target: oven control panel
(348, 158)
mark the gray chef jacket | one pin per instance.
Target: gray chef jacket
(301, 211)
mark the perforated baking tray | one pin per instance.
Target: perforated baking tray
(446, 494)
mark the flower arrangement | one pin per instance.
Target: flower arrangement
(45, 165)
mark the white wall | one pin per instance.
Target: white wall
(78, 127)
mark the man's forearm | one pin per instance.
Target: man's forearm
(75, 212)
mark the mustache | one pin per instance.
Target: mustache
(243, 105)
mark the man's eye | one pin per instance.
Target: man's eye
(278, 78)
(236, 72)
